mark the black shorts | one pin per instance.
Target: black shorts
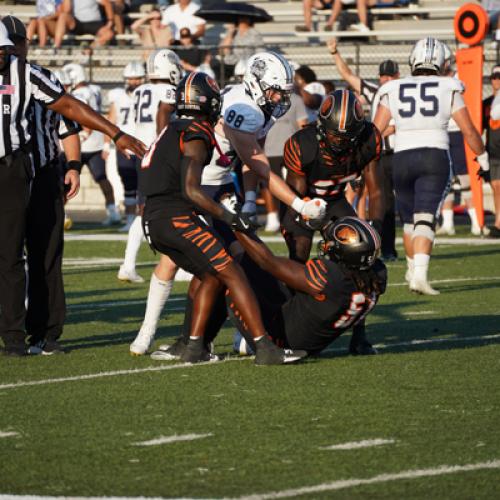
(293, 226)
(189, 242)
(128, 174)
(96, 164)
(89, 28)
(420, 180)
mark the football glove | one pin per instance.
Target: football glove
(239, 222)
(310, 209)
(484, 167)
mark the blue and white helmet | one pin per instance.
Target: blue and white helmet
(427, 54)
(134, 69)
(75, 73)
(164, 64)
(269, 71)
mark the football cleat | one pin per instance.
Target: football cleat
(130, 276)
(196, 352)
(169, 352)
(422, 287)
(268, 353)
(142, 343)
(446, 231)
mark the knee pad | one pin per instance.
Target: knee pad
(424, 225)
(408, 229)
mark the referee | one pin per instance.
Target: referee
(44, 229)
(20, 82)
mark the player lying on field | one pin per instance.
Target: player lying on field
(305, 307)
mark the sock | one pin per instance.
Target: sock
(159, 291)
(111, 209)
(421, 266)
(497, 34)
(133, 244)
(272, 218)
(473, 219)
(447, 214)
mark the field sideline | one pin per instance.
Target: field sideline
(420, 420)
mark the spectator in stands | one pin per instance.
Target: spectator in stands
(120, 8)
(151, 31)
(308, 6)
(44, 24)
(491, 121)
(492, 7)
(192, 57)
(388, 70)
(311, 91)
(294, 119)
(362, 8)
(242, 40)
(182, 14)
(83, 17)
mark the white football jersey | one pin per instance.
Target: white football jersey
(91, 95)
(147, 98)
(124, 109)
(421, 107)
(240, 112)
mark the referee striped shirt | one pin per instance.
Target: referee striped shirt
(19, 83)
(48, 128)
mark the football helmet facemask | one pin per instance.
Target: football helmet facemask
(269, 80)
(351, 241)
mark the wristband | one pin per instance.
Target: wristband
(333, 52)
(117, 136)
(298, 204)
(74, 165)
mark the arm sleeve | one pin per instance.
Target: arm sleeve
(45, 87)
(292, 156)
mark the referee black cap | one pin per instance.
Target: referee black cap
(15, 27)
(388, 68)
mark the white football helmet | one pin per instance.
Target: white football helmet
(63, 77)
(239, 70)
(269, 71)
(427, 54)
(164, 64)
(75, 73)
(449, 59)
(134, 69)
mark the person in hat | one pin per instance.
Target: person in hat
(388, 70)
(491, 123)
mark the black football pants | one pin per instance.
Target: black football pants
(44, 246)
(15, 178)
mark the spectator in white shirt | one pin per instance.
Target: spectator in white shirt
(182, 15)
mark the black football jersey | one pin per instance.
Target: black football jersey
(327, 172)
(160, 173)
(312, 323)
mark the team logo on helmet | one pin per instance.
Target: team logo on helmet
(327, 106)
(212, 83)
(258, 68)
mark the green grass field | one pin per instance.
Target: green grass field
(79, 424)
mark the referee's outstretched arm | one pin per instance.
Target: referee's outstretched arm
(83, 114)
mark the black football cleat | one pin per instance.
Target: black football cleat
(196, 352)
(362, 348)
(268, 353)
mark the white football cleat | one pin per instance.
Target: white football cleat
(408, 275)
(130, 276)
(446, 231)
(422, 287)
(142, 343)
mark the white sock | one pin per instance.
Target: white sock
(497, 34)
(410, 263)
(447, 214)
(421, 266)
(272, 218)
(134, 240)
(111, 208)
(473, 219)
(159, 291)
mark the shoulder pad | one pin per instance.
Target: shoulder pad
(244, 117)
(455, 84)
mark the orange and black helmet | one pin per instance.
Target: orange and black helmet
(198, 94)
(341, 119)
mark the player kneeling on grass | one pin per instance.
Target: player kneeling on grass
(171, 182)
(323, 297)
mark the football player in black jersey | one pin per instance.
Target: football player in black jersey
(323, 297)
(170, 178)
(322, 158)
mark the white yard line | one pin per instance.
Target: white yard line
(29, 383)
(6, 434)
(454, 280)
(382, 478)
(354, 445)
(172, 439)
(319, 488)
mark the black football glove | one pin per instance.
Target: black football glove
(239, 222)
(484, 174)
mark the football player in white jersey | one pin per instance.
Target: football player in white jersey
(421, 106)
(121, 113)
(92, 142)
